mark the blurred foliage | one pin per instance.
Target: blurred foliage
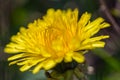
(26, 11)
(21, 12)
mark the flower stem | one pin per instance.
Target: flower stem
(80, 72)
(69, 75)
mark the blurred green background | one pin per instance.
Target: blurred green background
(103, 64)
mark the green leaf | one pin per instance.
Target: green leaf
(111, 61)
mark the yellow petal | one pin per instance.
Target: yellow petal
(94, 23)
(11, 50)
(32, 25)
(16, 61)
(57, 45)
(43, 52)
(23, 29)
(48, 64)
(15, 56)
(25, 67)
(90, 40)
(16, 39)
(31, 61)
(75, 13)
(92, 45)
(78, 57)
(15, 46)
(84, 19)
(68, 57)
(104, 25)
(98, 44)
(37, 68)
(28, 64)
(58, 60)
(50, 11)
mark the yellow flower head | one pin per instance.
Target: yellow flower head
(59, 36)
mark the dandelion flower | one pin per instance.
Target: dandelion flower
(59, 36)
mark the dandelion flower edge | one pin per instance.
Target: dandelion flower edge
(58, 37)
